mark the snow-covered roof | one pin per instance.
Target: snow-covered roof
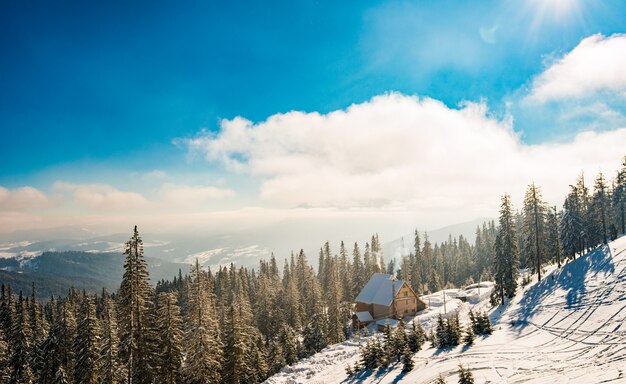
(364, 316)
(379, 290)
(392, 322)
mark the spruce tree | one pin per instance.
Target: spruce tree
(534, 227)
(4, 358)
(407, 360)
(506, 263)
(21, 341)
(203, 361)
(401, 341)
(169, 328)
(87, 344)
(416, 337)
(600, 207)
(288, 344)
(571, 226)
(276, 358)
(358, 271)
(333, 304)
(59, 346)
(236, 367)
(134, 305)
(465, 375)
(619, 199)
(110, 370)
(553, 241)
(417, 265)
(345, 274)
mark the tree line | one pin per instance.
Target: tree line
(232, 325)
(542, 234)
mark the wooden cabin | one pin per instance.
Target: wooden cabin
(384, 296)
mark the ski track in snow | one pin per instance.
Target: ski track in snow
(568, 328)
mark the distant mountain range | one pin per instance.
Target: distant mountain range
(54, 272)
(58, 259)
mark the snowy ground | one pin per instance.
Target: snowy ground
(569, 328)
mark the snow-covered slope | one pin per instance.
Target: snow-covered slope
(568, 328)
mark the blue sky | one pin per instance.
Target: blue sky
(121, 95)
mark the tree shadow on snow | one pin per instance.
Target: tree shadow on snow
(399, 377)
(570, 278)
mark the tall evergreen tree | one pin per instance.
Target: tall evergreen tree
(169, 327)
(619, 199)
(134, 306)
(21, 341)
(600, 207)
(534, 227)
(87, 344)
(4, 358)
(358, 271)
(203, 342)
(506, 263)
(110, 370)
(553, 240)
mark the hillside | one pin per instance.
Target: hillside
(567, 328)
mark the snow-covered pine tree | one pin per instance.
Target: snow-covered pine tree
(134, 305)
(406, 358)
(599, 209)
(571, 225)
(534, 227)
(38, 323)
(345, 274)
(427, 259)
(416, 265)
(170, 330)
(292, 308)
(333, 303)
(468, 339)
(506, 262)
(416, 337)
(454, 329)
(288, 344)
(21, 342)
(584, 201)
(465, 375)
(59, 346)
(441, 339)
(87, 344)
(4, 358)
(553, 240)
(276, 358)
(203, 362)
(619, 199)
(401, 340)
(110, 370)
(236, 367)
(358, 272)
(440, 380)
(7, 310)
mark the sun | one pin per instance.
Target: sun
(555, 12)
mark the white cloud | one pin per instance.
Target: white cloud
(101, 196)
(402, 152)
(24, 198)
(596, 64)
(192, 195)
